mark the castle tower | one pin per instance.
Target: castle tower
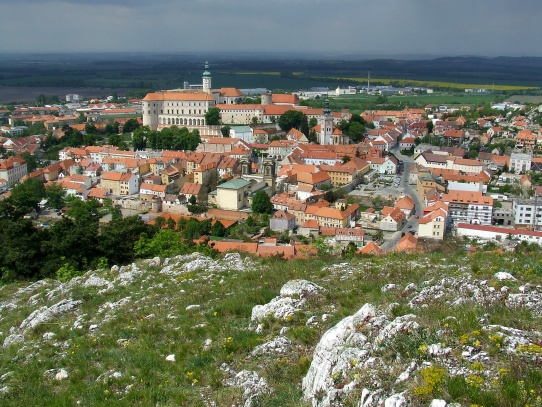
(267, 99)
(207, 79)
(326, 126)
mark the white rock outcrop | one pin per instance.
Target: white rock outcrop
(337, 348)
(299, 287)
(278, 307)
(252, 384)
(46, 314)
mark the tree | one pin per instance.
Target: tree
(31, 161)
(261, 203)
(130, 126)
(378, 236)
(212, 117)
(20, 255)
(356, 131)
(55, 195)
(291, 119)
(429, 127)
(118, 238)
(140, 137)
(225, 130)
(304, 126)
(218, 229)
(28, 194)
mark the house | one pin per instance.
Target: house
(327, 216)
(520, 162)
(309, 227)
(231, 195)
(407, 143)
(406, 205)
(188, 190)
(347, 235)
(408, 243)
(487, 232)
(371, 248)
(282, 221)
(393, 219)
(469, 207)
(119, 183)
(452, 136)
(12, 170)
(297, 136)
(433, 224)
(527, 213)
(148, 190)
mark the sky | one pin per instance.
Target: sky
(375, 28)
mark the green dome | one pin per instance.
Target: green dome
(206, 73)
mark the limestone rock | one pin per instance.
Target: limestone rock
(501, 276)
(61, 375)
(252, 384)
(279, 307)
(299, 287)
(45, 314)
(338, 346)
(13, 339)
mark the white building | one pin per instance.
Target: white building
(527, 213)
(520, 162)
(12, 170)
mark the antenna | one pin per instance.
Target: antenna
(368, 81)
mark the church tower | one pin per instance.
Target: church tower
(269, 176)
(246, 166)
(326, 126)
(207, 79)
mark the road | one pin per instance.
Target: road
(410, 190)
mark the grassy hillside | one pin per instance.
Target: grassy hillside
(107, 339)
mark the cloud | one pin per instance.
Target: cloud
(381, 27)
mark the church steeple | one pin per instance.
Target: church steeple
(326, 125)
(207, 79)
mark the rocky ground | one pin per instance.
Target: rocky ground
(401, 330)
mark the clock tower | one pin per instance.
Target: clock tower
(207, 79)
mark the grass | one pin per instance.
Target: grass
(155, 324)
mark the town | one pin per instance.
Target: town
(369, 183)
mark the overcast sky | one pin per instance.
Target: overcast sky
(360, 27)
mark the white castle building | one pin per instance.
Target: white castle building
(182, 108)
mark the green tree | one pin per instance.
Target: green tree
(356, 131)
(20, 256)
(90, 128)
(291, 119)
(304, 126)
(218, 229)
(140, 137)
(28, 194)
(55, 195)
(118, 239)
(261, 203)
(212, 117)
(166, 243)
(130, 126)
(430, 127)
(378, 236)
(225, 130)
(31, 161)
